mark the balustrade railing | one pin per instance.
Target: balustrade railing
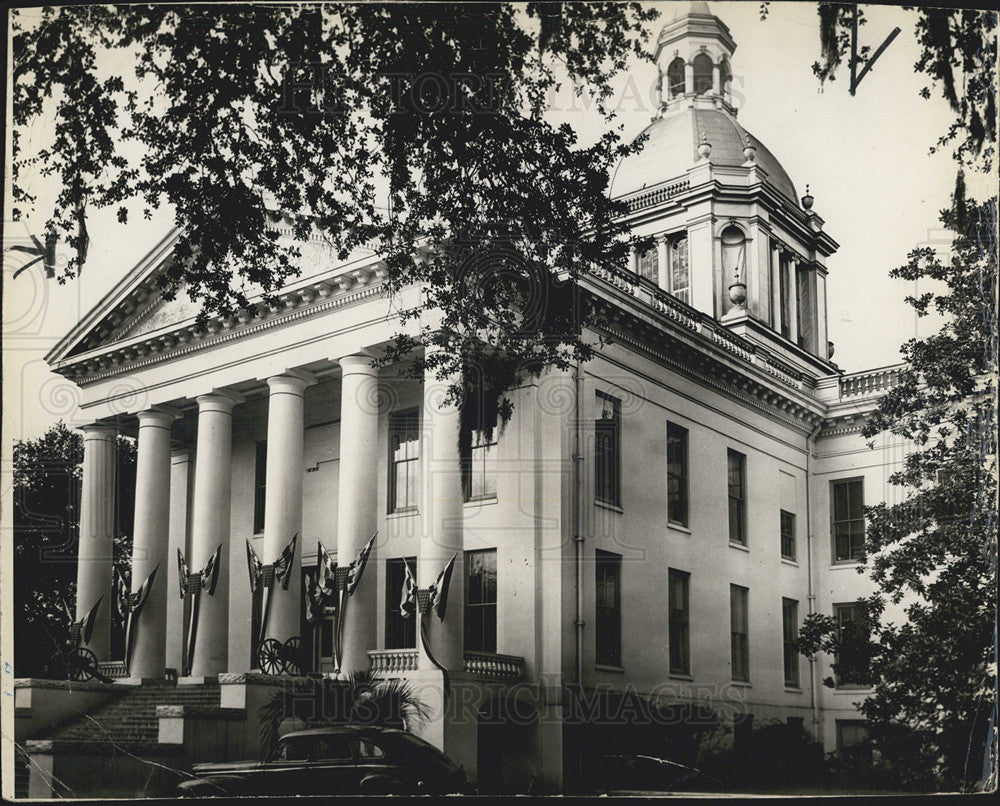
(871, 383)
(115, 669)
(494, 666)
(657, 195)
(393, 661)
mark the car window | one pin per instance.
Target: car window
(294, 749)
(333, 748)
(366, 748)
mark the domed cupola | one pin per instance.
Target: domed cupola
(730, 236)
(693, 53)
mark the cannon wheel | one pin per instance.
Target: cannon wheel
(82, 664)
(269, 656)
(292, 656)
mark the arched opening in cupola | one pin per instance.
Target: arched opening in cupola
(675, 78)
(702, 73)
(726, 80)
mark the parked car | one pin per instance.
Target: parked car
(338, 760)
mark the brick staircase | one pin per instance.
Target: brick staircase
(129, 720)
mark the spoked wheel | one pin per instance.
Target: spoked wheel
(82, 664)
(292, 656)
(269, 656)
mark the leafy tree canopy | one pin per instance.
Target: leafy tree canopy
(934, 677)
(414, 130)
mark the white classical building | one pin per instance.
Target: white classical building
(657, 523)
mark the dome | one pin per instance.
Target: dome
(672, 147)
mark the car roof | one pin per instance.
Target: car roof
(348, 730)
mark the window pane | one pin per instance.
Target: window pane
(677, 462)
(480, 601)
(649, 264)
(679, 276)
(608, 609)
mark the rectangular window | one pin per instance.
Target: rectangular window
(607, 450)
(649, 265)
(848, 519)
(737, 497)
(680, 275)
(479, 478)
(259, 486)
(400, 633)
(481, 601)
(789, 632)
(404, 460)
(608, 632)
(854, 638)
(680, 618)
(677, 474)
(852, 739)
(739, 632)
(783, 267)
(804, 307)
(787, 535)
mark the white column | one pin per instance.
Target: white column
(150, 541)
(181, 468)
(283, 505)
(661, 263)
(689, 81)
(210, 527)
(358, 502)
(442, 534)
(716, 80)
(97, 525)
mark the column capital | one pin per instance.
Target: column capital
(357, 364)
(291, 381)
(157, 416)
(221, 400)
(99, 431)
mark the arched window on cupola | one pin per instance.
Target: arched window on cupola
(702, 73)
(649, 264)
(675, 78)
(726, 80)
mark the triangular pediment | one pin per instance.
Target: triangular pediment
(134, 309)
(126, 310)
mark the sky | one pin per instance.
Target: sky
(865, 159)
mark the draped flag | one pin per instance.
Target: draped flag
(320, 590)
(433, 599)
(439, 590)
(346, 581)
(130, 608)
(270, 576)
(192, 584)
(408, 599)
(81, 631)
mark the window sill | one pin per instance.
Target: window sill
(741, 683)
(679, 676)
(838, 564)
(601, 667)
(790, 561)
(606, 505)
(739, 546)
(676, 527)
(792, 689)
(482, 501)
(402, 513)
